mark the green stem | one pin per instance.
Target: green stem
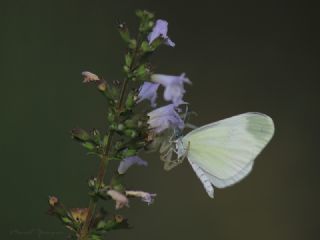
(84, 232)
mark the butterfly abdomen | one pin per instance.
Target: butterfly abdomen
(203, 178)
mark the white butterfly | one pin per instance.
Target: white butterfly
(221, 153)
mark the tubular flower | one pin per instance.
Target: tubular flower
(160, 29)
(165, 117)
(121, 200)
(145, 197)
(148, 91)
(126, 163)
(174, 86)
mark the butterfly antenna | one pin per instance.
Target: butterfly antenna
(186, 118)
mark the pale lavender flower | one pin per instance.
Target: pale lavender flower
(160, 29)
(126, 163)
(165, 117)
(121, 199)
(89, 77)
(148, 91)
(145, 197)
(174, 89)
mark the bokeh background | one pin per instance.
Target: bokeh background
(241, 56)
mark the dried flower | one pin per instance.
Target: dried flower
(121, 199)
(160, 30)
(79, 214)
(89, 77)
(126, 163)
(102, 85)
(174, 86)
(145, 196)
(148, 91)
(165, 117)
(53, 201)
(119, 218)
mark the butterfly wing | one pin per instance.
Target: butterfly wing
(225, 150)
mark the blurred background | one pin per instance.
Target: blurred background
(241, 56)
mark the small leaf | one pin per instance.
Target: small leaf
(96, 136)
(128, 59)
(130, 133)
(124, 32)
(113, 92)
(105, 140)
(156, 43)
(130, 100)
(101, 225)
(95, 237)
(129, 153)
(66, 220)
(111, 116)
(130, 123)
(133, 44)
(88, 145)
(80, 134)
(145, 47)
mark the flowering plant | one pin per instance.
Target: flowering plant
(130, 130)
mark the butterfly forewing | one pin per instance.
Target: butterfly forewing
(225, 150)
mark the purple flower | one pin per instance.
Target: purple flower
(174, 89)
(160, 29)
(126, 163)
(165, 117)
(145, 197)
(148, 91)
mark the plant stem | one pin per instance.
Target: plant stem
(93, 203)
(84, 232)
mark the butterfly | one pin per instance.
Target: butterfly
(221, 153)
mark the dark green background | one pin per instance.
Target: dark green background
(240, 57)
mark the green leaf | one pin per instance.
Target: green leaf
(130, 133)
(133, 44)
(95, 237)
(88, 145)
(156, 43)
(139, 13)
(129, 153)
(105, 140)
(128, 59)
(113, 92)
(124, 32)
(66, 220)
(142, 72)
(80, 134)
(111, 116)
(130, 123)
(96, 136)
(116, 183)
(101, 225)
(130, 100)
(120, 127)
(145, 47)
